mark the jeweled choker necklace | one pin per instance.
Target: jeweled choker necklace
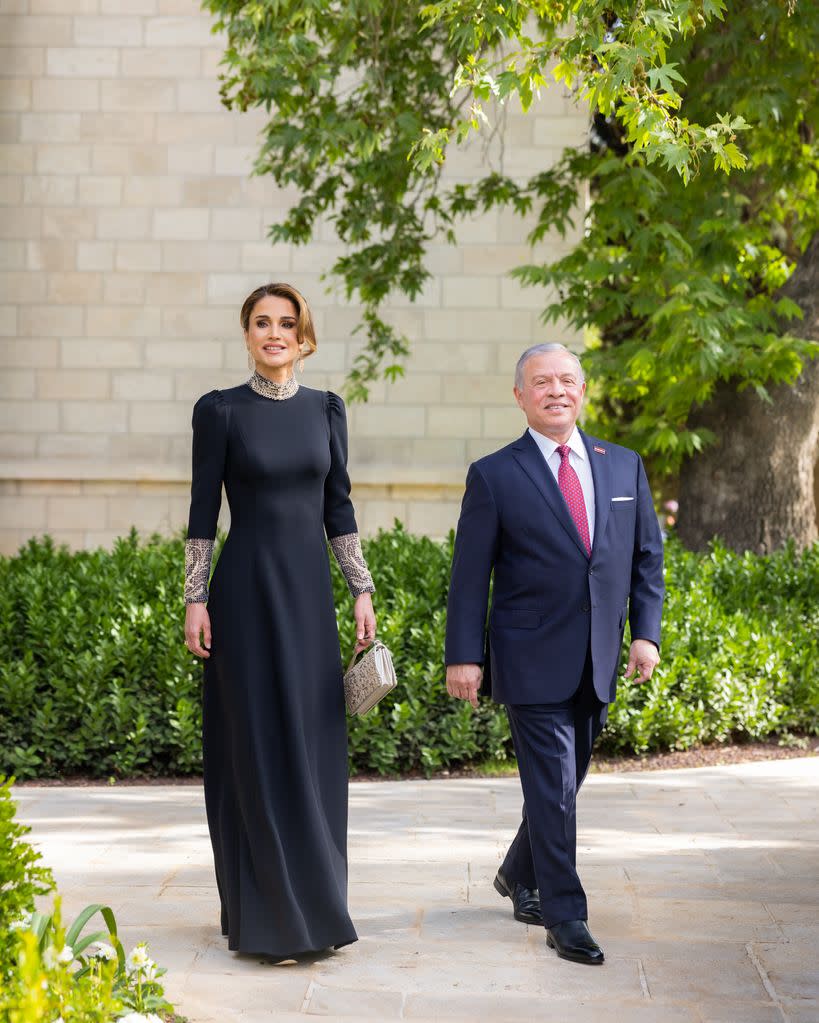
(270, 389)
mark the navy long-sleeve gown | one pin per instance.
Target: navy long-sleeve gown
(274, 730)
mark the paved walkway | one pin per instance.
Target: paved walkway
(703, 886)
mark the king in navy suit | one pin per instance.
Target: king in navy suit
(565, 524)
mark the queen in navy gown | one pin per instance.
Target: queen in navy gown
(274, 726)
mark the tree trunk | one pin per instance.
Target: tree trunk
(754, 487)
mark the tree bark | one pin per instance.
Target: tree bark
(755, 487)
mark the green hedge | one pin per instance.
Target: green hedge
(95, 678)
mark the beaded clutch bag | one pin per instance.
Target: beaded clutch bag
(370, 680)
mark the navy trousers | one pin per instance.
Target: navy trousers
(553, 743)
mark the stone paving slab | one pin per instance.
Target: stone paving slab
(703, 888)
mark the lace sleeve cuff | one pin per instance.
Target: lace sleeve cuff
(198, 554)
(350, 558)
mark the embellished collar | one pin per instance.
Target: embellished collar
(270, 389)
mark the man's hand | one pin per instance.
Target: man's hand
(643, 657)
(463, 681)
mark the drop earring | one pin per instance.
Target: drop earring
(250, 363)
(301, 364)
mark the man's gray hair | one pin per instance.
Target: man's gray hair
(551, 346)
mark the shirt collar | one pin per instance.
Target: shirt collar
(549, 446)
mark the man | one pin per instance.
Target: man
(566, 523)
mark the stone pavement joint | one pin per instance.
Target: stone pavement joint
(766, 980)
(703, 890)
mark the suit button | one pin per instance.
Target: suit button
(585, 608)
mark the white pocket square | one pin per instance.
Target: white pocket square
(622, 499)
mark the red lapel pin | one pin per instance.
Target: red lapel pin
(600, 451)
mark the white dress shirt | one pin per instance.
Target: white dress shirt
(579, 461)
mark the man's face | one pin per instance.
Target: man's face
(552, 394)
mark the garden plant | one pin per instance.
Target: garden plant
(53, 974)
(97, 681)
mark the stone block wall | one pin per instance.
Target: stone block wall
(131, 231)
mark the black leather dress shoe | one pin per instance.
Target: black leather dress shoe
(525, 900)
(572, 940)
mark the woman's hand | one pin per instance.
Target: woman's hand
(197, 622)
(364, 621)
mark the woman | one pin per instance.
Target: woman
(274, 727)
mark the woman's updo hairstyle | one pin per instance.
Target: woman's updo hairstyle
(305, 332)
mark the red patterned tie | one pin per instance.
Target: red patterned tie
(573, 495)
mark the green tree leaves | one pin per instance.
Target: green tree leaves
(349, 88)
(677, 257)
(365, 97)
(614, 57)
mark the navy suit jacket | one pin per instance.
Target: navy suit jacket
(549, 599)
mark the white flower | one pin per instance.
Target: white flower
(23, 923)
(137, 1017)
(102, 950)
(51, 956)
(65, 955)
(59, 1019)
(139, 959)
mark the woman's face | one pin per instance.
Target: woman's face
(271, 336)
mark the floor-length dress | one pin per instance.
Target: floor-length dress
(274, 728)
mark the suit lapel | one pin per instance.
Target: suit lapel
(600, 462)
(530, 459)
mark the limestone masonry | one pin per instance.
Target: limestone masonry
(131, 231)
